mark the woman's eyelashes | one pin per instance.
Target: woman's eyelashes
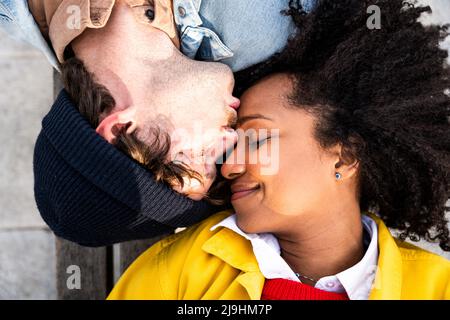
(252, 143)
(256, 144)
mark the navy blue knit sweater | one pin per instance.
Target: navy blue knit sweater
(89, 192)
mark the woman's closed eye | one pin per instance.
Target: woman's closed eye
(256, 144)
(251, 144)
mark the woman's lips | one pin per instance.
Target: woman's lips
(238, 193)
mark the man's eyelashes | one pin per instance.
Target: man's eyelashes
(150, 13)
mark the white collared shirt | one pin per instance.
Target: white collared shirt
(356, 281)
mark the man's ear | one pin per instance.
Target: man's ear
(111, 126)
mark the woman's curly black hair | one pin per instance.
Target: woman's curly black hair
(383, 95)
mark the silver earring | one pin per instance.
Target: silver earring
(338, 176)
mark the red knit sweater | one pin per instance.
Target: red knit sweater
(282, 289)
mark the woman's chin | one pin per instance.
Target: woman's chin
(247, 224)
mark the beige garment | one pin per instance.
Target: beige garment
(56, 18)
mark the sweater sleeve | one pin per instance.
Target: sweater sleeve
(92, 217)
(89, 192)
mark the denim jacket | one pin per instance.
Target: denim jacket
(239, 33)
(18, 22)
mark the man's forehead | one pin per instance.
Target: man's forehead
(138, 2)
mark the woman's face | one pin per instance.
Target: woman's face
(303, 181)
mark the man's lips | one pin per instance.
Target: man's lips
(240, 191)
(236, 104)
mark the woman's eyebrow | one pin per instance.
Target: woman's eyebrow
(255, 116)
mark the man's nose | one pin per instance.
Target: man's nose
(228, 76)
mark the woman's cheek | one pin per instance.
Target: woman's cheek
(272, 192)
(269, 157)
(289, 190)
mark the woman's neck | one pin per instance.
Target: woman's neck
(324, 245)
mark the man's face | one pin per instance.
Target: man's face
(192, 101)
(145, 73)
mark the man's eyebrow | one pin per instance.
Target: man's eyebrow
(255, 116)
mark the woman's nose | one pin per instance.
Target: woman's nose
(231, 169)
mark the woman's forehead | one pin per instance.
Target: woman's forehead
(267, 96)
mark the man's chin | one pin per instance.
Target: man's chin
(194, 189)
(196, 197)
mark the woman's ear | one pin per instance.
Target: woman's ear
(113, 124)
(347, 164)
(347, 169)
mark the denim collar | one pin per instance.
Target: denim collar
(186, 13)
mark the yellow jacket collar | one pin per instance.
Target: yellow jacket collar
(233, 249)
(238, 253)
(388, 279)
